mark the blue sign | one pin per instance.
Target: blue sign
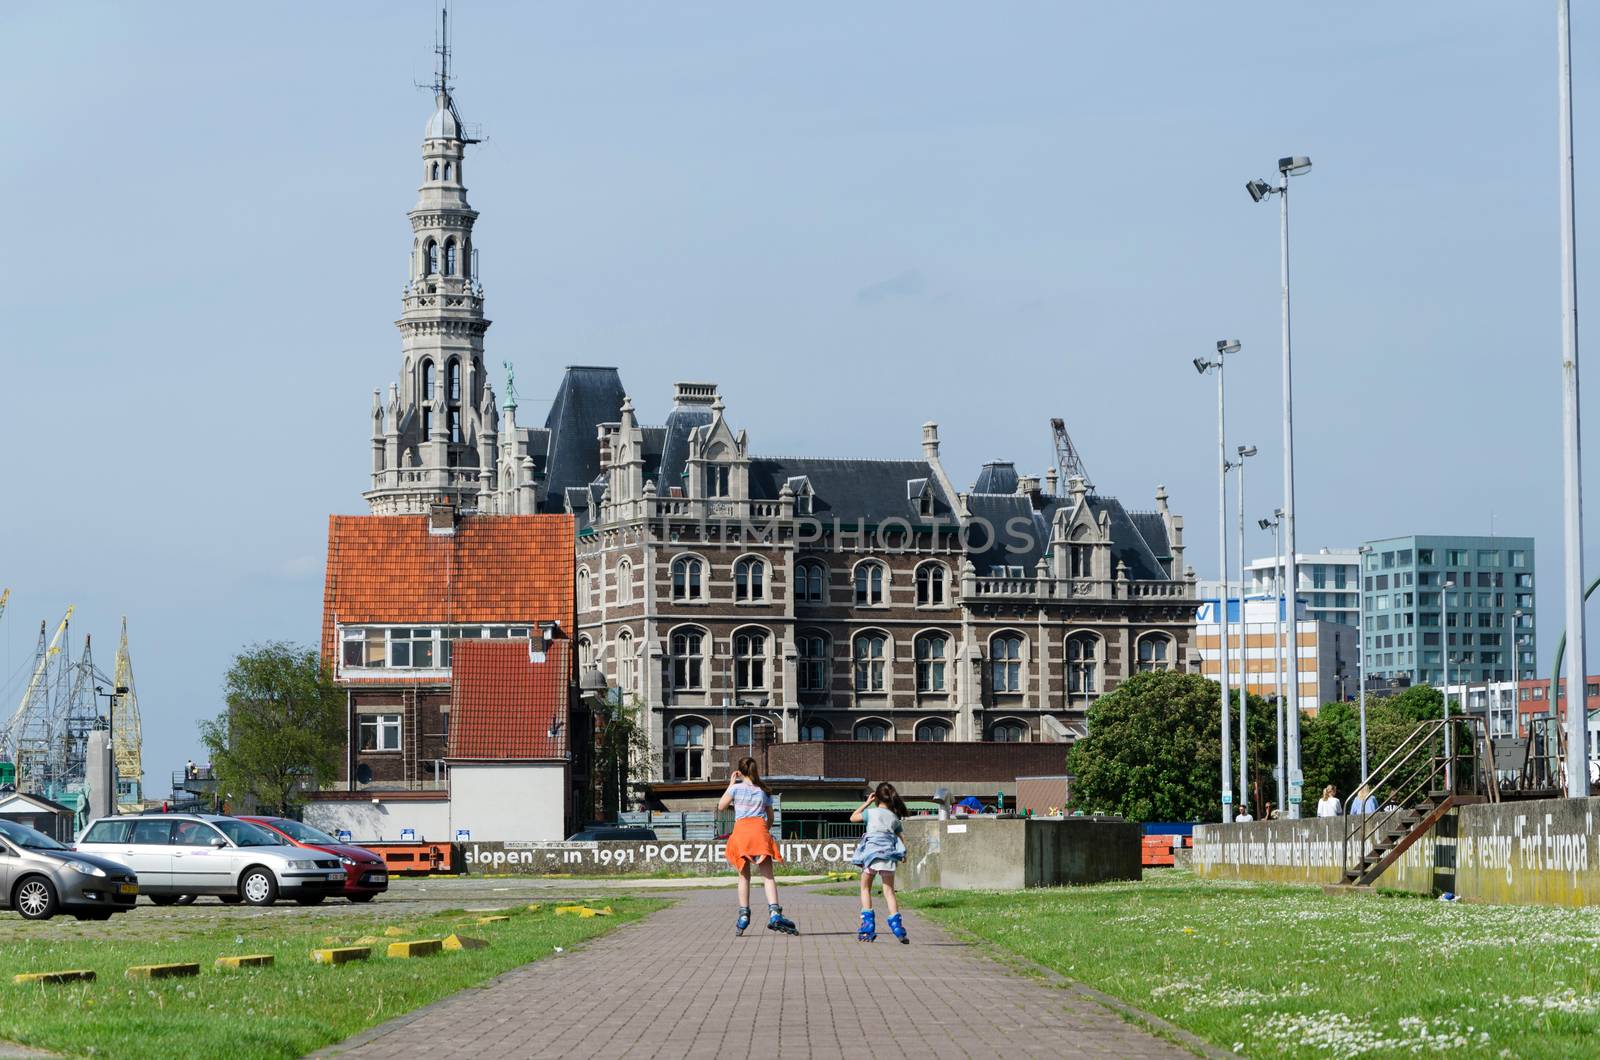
(342, 835)
(463, 835)
(408, 835)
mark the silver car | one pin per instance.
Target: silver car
(183, 855)
(39, 878)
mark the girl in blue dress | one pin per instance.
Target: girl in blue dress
(879, 852)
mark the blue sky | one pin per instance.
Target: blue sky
(853, 217)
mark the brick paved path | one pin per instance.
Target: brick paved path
(680, 984)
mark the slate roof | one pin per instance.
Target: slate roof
(1014, 546)
(504, 705)
(588, 396)
(997, 476)
(494, 568)
(867, 491)
(675, 444)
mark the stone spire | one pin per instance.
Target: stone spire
(441, 388)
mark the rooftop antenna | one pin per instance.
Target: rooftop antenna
(441, 48)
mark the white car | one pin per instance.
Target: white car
(184, 855)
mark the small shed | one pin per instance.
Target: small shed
(38, 812)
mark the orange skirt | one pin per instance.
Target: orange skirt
(750, 841)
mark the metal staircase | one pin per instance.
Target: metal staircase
(1439, 766)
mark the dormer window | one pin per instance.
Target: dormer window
(925, 501)
(717, 480)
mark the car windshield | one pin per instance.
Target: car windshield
(245, 834)
(304, 833)
(24, 836)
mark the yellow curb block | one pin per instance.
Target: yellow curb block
(341, 955)
(162, 971)
(461, 942)
(395, 932)
(482, 920)
(535, 907)
(415, 948)
(582, 911)
(75, 975)
(245, 960)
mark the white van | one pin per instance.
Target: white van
(179, 855)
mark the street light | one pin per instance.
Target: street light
(1204, 365)
(1361, 654)
(1294, 165)
(1244, 674)
(1444, 627)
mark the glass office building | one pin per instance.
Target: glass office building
(1433, 600)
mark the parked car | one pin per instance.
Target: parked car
(611, 831)
(177, 855)
(40, 877)
(365, 874)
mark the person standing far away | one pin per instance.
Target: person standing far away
(1365, 803)
(1328, 805)
(751, 844)
(879, 851)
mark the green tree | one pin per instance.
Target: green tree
(1154, 751)
(1330, 749)
(621, 754)
(281, 731)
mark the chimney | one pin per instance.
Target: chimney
(1028, 486)
(684, 394)
(442, 518)
(1052, 482)
(930, 441)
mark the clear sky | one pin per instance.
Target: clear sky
(853, 217)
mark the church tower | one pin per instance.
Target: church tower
(435, 436)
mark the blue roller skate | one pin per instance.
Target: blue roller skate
(899, 929)
(868, 931)
(776, 921)
(743, 921)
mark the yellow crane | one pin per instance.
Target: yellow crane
(127, 743)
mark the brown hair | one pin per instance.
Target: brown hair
(885, 795)
(748, 769)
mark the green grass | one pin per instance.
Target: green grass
(1271, 971)
(283, 1011)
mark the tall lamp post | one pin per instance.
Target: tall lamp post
(1244, 669)
(1361, 651)
(1275, 524)
(1203, 365)
(1294, 165)
(1444, 628)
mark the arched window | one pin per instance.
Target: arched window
(585, 654)
(436, 171)
(452, 377)
(750, 660)
(870, 577)
(869, 652)
(584, 601)
(625, 582)
(1083, 664)
(450, 257)
(688, 660)
(874, 729)
(750, 579)
(742, 738)
(1082, 555)
(1155, 653)
(933, 731)
(625, 662)
(428, 379)
(932, 649)
(811, 582)
(814, 730)
(686, 578)
(1005, 662)
(688, 749)
(447, 171)
(814, 663)
(930, 585)
(432, 253)
(1008, 731)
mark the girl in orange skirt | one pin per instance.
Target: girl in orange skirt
(751, 843)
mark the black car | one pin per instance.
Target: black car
(611, 831)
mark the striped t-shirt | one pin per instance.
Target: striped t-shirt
(749, 801)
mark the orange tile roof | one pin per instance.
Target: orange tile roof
(503, 705)
(493, 569)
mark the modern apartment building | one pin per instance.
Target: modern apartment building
(1329, 580)
(1434, 601)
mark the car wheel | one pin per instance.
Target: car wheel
(361, 897)
(310, 899)
(258, 886)
(187, 899)
(35, 898)
(164, 899)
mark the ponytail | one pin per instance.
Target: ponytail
(747, 767)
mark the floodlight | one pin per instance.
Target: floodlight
(1227, 345)
(1258, 189)
(1247, 450)
(1265, 524)
(1294, 165)
(1201, 365)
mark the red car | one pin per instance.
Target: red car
(365, 874)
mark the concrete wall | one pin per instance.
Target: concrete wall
(1012, 854)
(617, 857)
(1545, 852)
(498, 801)
(373, 819)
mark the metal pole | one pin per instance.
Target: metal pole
(1444, 619)
(1222, 603)
(1361, 653)
(1291, 574)
(1277, 645)
(1244, 642)
(1571, 448)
